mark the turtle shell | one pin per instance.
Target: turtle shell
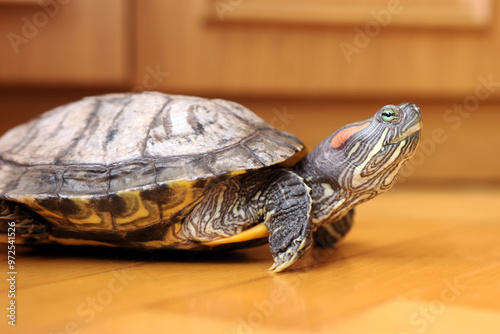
(123, 162)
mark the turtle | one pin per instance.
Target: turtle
(160, 171)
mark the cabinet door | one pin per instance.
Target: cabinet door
(65, 42)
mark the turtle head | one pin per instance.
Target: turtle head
(366, 156)
(372, 152)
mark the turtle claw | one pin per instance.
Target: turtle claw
(273, 267)
(276, 268)
(285, 259)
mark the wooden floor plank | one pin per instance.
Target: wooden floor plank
(406, 317)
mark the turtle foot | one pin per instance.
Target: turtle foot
(285, 259)
(287, 220)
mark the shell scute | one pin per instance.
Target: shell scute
(85, 182)
(134, 175)
(189, 168)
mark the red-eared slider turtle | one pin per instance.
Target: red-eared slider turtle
(167, 171)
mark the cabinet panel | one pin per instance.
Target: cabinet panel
(65, 42)
(251, 53)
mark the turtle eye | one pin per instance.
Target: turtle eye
(389, 115)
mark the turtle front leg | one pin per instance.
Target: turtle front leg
(288, 204)
(233, 211)
(328, 235)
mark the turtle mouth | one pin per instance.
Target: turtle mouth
(414, 130)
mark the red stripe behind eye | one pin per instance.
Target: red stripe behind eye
(341, 137)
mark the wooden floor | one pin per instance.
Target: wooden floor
(416, 261)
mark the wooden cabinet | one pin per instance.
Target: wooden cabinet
(259, 48)
(62, 42)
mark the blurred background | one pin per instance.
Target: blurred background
(307, 67)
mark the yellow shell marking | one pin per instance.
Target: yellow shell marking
(53, 216)
(87, 216)
(132, 198)
(184, 194)
(256, 232)
(170, 236)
